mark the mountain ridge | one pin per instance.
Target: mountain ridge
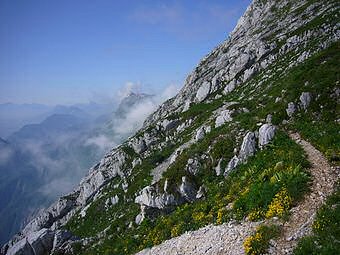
(217, 99)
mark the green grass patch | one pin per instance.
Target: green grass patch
(326, 230)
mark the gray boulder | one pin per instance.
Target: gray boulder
(269, 118)
(305, 100)
(141, 216)
(149, 197)
(233, 163)
(139, 145)
(223, 117)
(266, 134)
(200, 134)
(169, 124)
(290, 109)
(187, 190)
(248, 146)
(229, 87)
(218, 169)
(193, 166)
(200, 193)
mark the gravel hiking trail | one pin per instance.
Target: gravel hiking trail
(228, 238)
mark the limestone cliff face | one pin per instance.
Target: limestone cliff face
(261, 37)
(267, 33)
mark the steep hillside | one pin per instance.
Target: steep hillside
(219, 152)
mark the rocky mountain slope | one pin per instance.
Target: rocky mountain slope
(217, 153)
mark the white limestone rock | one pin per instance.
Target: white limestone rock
(200, 134)
(266, 134)
(233, 163)
(187, 190)
(41, 241)
(136, 162)
(138, 145)
(305, 100)
(193, 166)
(149, 197)
(290, 109)
(200, 193)
(223, 117)
(218, 168)
(248, 146)
(203, 91)
(21, 248)
(229, 87)
(60, 237)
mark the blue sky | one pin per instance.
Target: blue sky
(70, 51)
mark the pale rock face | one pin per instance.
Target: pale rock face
(203, 92)
(141, 216)
(186, 106)
(248, 146)
(229, 87)
(233, 163)
(200, 134)
(150, 198)
(225, 116)
(56, 211)
(41, 241)
(169, 124)
(139, 145)
(21, 248)
(109, 168)
(36, 243)
(200, 193)
(218, 168)
(305, 100)
(175, 155)
(136, 162)
(248, 73)
(112, 201)
(187, 190)
(290, 109)
(84, 210)
(269, 118)
(193, 166)
(266, 134)
(60, 237)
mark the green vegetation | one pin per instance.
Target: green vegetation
(326, 230)
(258, 243)
(267, 185)
(214, 208)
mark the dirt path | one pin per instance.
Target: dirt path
(228, 238)
(302, 217)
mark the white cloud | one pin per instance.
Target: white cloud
(5, 155)
(134, 118)
(101, 141)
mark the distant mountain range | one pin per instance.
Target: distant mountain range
(14, 116)
(42, 161)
